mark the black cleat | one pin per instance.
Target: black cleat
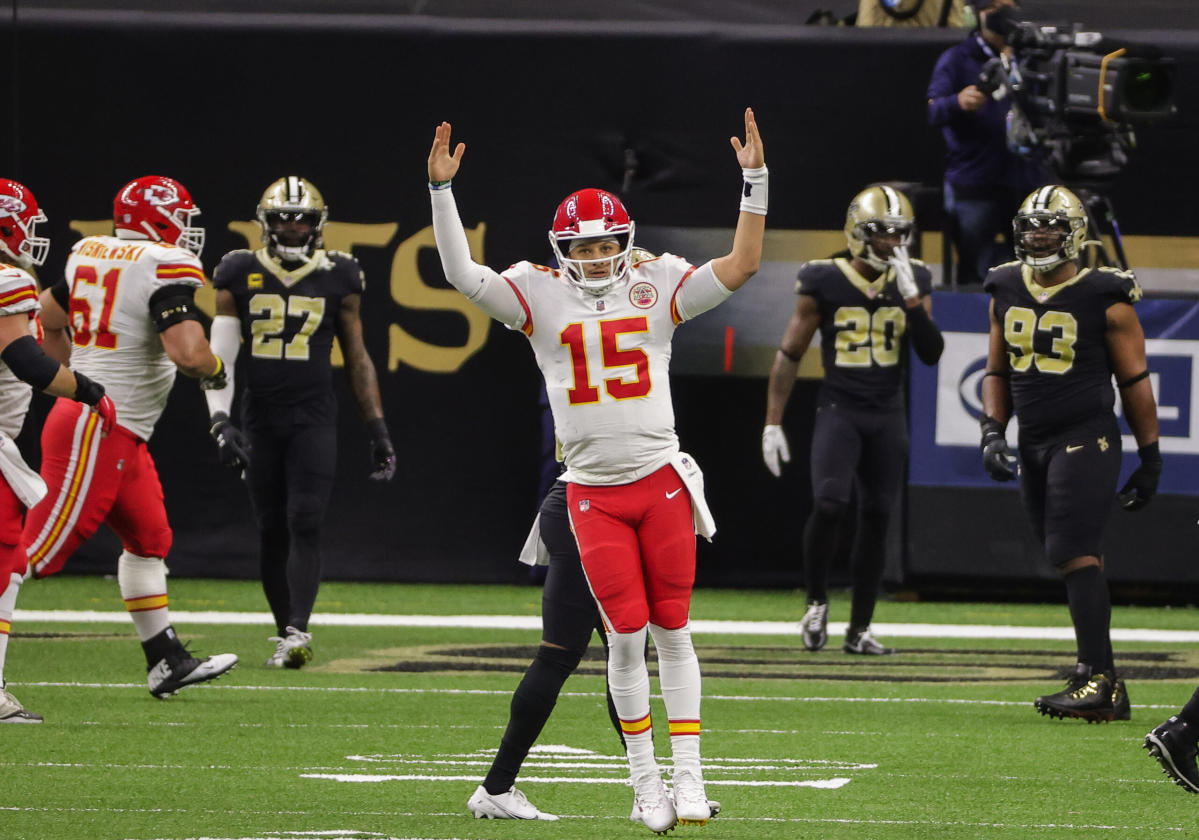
(863, 642)
(179, 669)
(1121, 708)
(1173, 744)
(1087, 696)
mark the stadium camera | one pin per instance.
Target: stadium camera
(1076, 98)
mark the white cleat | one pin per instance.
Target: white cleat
(180, 669)
(713, 808)
(510, 805)
(652, 805)
(11, 710)
(691, 799)
(291, 651)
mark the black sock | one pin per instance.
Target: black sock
(1091, 611)
(532, 703)
(157, 647)
(867, 567)
(1190, 712)
(819, 543)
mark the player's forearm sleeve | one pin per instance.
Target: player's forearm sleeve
(226, 341)
(926, 336)
(701, 291)
(482, 286)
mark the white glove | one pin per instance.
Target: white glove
(775, 451)
(905, 278)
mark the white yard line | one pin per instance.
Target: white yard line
(700, 627)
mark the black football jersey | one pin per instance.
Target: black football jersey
(288, 320)
(863, 332)
(1060, 374)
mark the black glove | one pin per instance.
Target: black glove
(998, 459)
(217, 380)
(383, 454)
(232, 446)
(1142, 484)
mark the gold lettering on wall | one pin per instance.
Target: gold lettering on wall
(410, 291)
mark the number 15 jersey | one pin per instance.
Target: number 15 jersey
(606, 361)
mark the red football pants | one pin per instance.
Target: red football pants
(12, 552)
(93, 480)
(637, 544)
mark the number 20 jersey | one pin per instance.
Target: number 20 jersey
(114, 339)
(863, 332)
(288, 317)
(605, 360)
(1056, 344)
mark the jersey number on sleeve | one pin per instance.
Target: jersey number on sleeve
(266, 333)
(618, 388)
(81, 306)
(863, 338)
(1020, 325)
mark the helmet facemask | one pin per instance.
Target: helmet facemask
(585, 272)
(31, 249)
(862, 243)
(288, 243)
(1044, 241)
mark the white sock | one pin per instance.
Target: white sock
(628, 680)
(8, 603)
(678, 671)
(143, 582)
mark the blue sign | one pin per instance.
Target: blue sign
(946, 400)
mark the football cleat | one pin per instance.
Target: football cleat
(1173, 744)
(814, 625)
(714, 808)
(509, 805)
(11, 710)
(1121, 708)
(291, 651)
(1087, 695)
(653, 805)
(180, 669)
(690, 799)
(864, 643)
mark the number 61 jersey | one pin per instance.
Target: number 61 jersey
(288, 317)
(1056, 344)
(109, 282)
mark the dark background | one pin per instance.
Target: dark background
(548, 100)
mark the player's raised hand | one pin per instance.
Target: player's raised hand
(751, 154)
(443, 165)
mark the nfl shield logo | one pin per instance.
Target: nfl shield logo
(599, 306)
(584, 505)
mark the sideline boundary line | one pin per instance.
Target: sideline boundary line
(533, 622)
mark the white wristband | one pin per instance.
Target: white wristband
(755, 190)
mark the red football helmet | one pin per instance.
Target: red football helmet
(158, 208)
(592, 214)
(19, 215)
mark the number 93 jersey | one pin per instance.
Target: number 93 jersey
(1056, 342)
(113, 337)
(863, 332)
(288, 320)
(606, 359)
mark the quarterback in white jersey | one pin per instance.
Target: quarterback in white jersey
(601, 327)
(125, 312)
(23, 366)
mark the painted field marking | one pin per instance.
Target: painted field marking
(699, 627)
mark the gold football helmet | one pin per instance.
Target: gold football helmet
(287, 201)
(1050, 227)
(875, 212)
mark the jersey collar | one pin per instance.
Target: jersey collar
(290, 278)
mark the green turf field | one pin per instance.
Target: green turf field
(389, 730)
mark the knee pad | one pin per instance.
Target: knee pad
(826, 508)
(304, 514)
(562, 660)
(139, 576)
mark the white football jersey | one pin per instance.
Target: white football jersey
(114, 339)
(18, 296)
(606, 360)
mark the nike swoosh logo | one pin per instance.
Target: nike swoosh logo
(1075, 448)
(675, 493)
